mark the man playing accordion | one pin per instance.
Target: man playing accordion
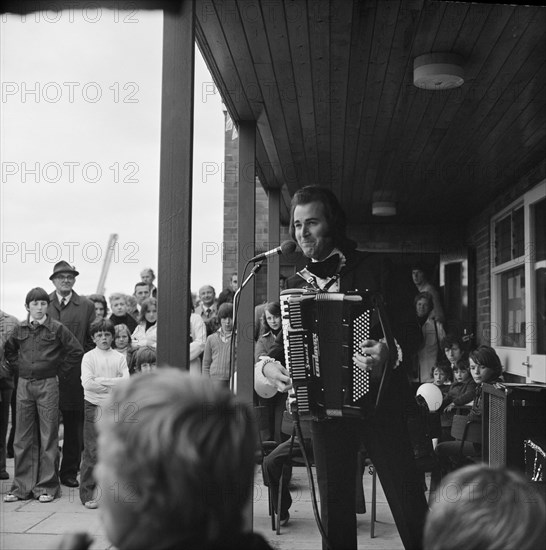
(318, 224)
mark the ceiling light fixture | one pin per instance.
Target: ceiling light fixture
(438, 71)
(383, 208)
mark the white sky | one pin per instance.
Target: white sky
(94, 119)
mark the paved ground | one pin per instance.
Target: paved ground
(29, 525)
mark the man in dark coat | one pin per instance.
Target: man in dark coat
(318, 225)
(76, 313)
(7, 324)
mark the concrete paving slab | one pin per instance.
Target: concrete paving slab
(66, 522)
(29, 525)
(22, 522)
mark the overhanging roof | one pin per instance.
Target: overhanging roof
(330, 85)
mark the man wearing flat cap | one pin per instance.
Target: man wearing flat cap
(76, 313)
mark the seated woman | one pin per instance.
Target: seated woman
(485, 366)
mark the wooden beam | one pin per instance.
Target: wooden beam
(246, 222)
(175, 187)
(94, 9)
(274, 228)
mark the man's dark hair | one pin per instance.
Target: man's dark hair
(335, 216)
(140, 283)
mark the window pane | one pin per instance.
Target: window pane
(540, 230)
(513, 308)
(503, 241)
(518, 233)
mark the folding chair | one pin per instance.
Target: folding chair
(466, 431)
(262, 420)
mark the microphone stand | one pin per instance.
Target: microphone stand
(252, 274)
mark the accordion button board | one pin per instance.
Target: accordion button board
(322, 331)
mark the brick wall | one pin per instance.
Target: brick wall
(230, 235)
(231, 162)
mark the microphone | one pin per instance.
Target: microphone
(287, 247)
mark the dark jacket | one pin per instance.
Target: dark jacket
(460, 393)
(42, 352)
(77, 317)
(476, 410)
(126, 319)
(7, 324)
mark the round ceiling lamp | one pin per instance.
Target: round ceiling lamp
(438, 71)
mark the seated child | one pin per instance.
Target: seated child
(40, 349)
(102, 369)
(145, 360)
(461, 392)
(120, 315)
(441, 377)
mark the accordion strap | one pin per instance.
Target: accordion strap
(391, 345)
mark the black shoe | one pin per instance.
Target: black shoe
(285, 518)
(4, 475)
(70, 481)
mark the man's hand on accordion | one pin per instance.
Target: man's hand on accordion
(276, 374)
(372, 354)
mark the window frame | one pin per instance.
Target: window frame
(521, 361)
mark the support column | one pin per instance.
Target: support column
(274, 231)
(175, 186)
(246, 221)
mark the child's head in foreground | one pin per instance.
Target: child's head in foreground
(483, 508)
(181, 452)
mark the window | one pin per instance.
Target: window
(509, 237)
(518, 285)
(513, 308)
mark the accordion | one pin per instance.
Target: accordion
(322, 331)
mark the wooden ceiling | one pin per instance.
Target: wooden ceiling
(330, 84)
